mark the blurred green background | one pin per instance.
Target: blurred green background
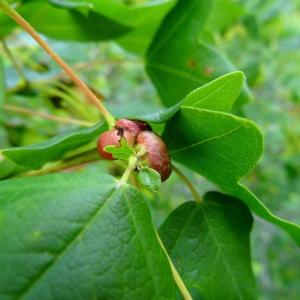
(261, 38)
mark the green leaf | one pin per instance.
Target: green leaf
(143, 18)
(8, 168)
(2, 84)
(223, 148)
(149, 179)
(161, 116)
(82, 6)
(209, 245)
(123, 152)
(224, 14)
(220, 146)
(35, 156)
(139, 39)
(219, 94)
(6, 24)
(257, 206)
(177, 61)
(67, 24)
(79, 236)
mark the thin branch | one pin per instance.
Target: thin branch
(14, 62)
(85, 89)
(189, 184)
(183, 289)
(28, 112)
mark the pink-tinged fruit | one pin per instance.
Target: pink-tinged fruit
(157, 155)
(133, 126)
(112, 138)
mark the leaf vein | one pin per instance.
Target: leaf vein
(206, 140)
(219, 250)
(176, 72)
(78, 235)
(179, 22)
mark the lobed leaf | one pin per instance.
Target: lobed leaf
(210, 246)
(79, 236)
(123, 152)
(223, 148)
(219, 94)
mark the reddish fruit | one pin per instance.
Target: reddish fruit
(134, 126)
(156, 155)
(112, 138)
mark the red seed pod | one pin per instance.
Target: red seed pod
(112, 138)
(157, 155)
(134, 126)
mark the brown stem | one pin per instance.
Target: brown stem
(25, 111)
(85, 89)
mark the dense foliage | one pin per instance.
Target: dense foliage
(219, 82)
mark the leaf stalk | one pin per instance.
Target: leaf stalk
(189, 184)
(130, 168)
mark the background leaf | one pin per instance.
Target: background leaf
(143, 17)
(8, 168)
(209, 244)
(2, 84)
(219, 95)
(223, 14)
(35, 156)
(84, 238)
(177, 61)
(66, 24)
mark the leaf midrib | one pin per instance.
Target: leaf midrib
(219, 249)
(222, 86)
(178, 72)
(206, 140)
(218, 245)
(68, 245)
(179, 22)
